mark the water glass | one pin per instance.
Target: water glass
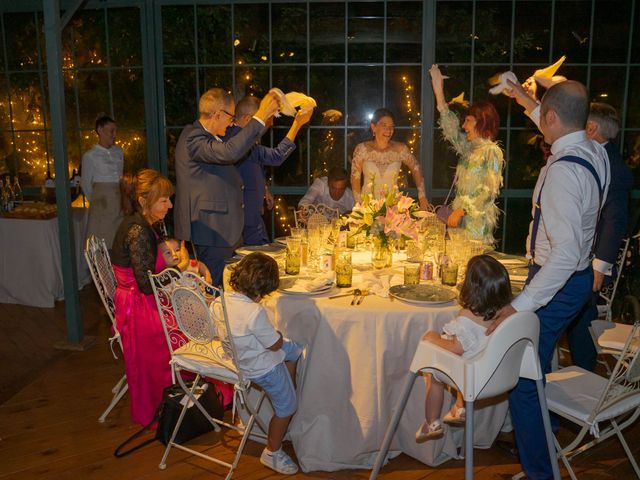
(450, 274)
(351, 237)
(344, 268)
(414, 251)
(412, 274)
(292, 257)
(297, 232)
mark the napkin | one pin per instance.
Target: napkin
(291, 100)
(500, 82)
(314, 284)
(377, 283)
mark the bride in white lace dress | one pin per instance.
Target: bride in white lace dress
(380, 160)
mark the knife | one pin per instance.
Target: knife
(346, 294)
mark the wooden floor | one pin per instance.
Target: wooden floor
(52, 399)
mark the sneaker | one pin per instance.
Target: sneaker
(428, 432)
(278, 461)
(456, 416)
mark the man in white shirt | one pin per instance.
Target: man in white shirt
(100, 180)
(331, 191)
(567, 199)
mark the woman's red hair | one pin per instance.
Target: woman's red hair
(487, 119)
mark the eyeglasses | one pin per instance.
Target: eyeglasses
(233, 117)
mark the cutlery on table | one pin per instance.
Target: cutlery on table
(356, 293)
(363, 294)
(345, 294)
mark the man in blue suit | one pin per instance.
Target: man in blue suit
(209, 209)
(603, 126)
(251, 167)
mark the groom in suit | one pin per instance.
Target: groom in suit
(208, 204)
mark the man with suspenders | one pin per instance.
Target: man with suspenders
(569, 193)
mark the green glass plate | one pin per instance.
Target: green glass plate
(423, 294)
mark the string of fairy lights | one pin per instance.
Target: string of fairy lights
(25, 109)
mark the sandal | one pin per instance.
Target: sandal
(456, 416)
(434, 430)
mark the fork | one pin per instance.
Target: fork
(363, 294)
(356, 294)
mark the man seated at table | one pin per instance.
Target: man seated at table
(331, 191)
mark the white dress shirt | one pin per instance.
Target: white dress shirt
(253, 334)
(319, 193)
(101, 165)
(570, 207)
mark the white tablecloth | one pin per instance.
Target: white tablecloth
(30, 263)
(358, 359)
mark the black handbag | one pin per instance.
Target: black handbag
(193, 424)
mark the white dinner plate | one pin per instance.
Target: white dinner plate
(287, 282)
(280, 240)
(269, 249)
(423, 294)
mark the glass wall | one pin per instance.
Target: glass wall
(352, 57)
(102, 68)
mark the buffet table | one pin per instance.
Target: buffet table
(30, 261)
(357, 359)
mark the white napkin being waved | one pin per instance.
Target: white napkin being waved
(377, 283)
(314, 284)
(291, 100)
(501, 82)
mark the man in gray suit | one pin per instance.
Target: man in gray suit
(208, 204)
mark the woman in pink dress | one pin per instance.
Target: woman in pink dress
(145, 201)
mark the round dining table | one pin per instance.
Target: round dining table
(356, 359)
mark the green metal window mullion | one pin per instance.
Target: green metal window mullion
(427, 100)
(233, 50)
(9, 90)
(384, 54)
(109, 66)
(552, 29)
(76, 96)
(625, 97)
(473, 50)
(308, 92)
(269, 35)
(346, 83)
(42, 90)
(153, 75)
(197, 53)
(508, 144)
(590, 52)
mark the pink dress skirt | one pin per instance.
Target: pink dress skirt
(145, 348)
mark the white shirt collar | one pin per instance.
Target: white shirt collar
(568, 139)
(208, 131)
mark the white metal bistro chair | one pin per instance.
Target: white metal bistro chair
(97, 256)
(608, 336)
(511, 352)
(163, 285)
(310, 216)
(206, 350)
(588, 399)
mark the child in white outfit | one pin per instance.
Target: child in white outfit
(264, 356)
(486, 289)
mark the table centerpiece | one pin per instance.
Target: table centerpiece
(390, 217)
